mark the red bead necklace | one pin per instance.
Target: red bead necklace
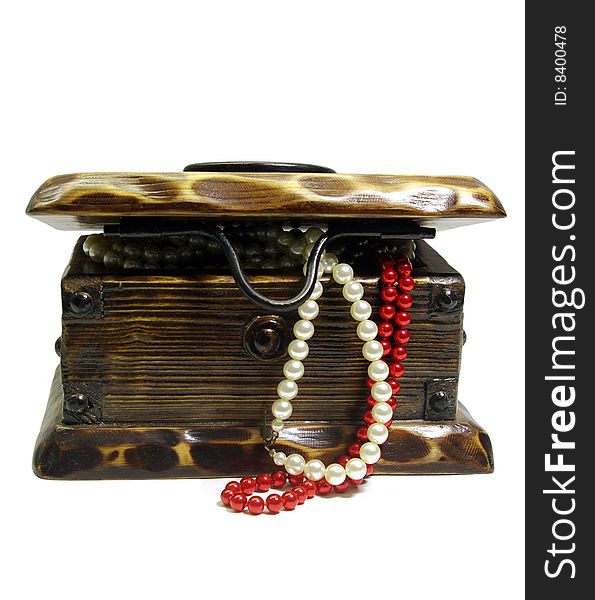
(396, 284)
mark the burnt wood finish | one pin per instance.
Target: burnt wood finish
(171, 348)
(209, 450)
(90, 200)
(163, 372)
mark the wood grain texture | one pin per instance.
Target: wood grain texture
(90, 200)
(169, 348)
(210, 450)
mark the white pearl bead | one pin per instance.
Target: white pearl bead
(320, 271)
(309, 310)
(279, 458)
(378, 370)
(342, 273)
(317, 292)
(303, 330)
(335, 474)
(377, 433)
(381, 391)
(293, 369)
(369, 453)
(367, 330)
(287, 389)
(92, 239)
(314, 470)
(356, 468)
(361, 310)
(372, 350)
(277, 425)
(298, 349)
(312, 234)
(382, 412)
(353, 291)
(329, 261)
(295, 464)
(282, 409)
(307, 250)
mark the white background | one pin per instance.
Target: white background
(376, 87)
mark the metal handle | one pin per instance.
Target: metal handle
(256, 167)
(151, 227)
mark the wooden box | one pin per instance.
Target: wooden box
(167, 368)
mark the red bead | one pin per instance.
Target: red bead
(394, 384)
(343, 459)
(310, 488)
(406, 283)
(301, 493)
(354, 449)
(342, 487)
(355, 481)
(392, 402)
(255, 505)
(402, 336)
(404, 301)
(368, 418)
(290, 500)
(371, 382)
(279, 479)
(386, 262)
(370, 400)
(386, 347)
(389, 293)
(362, 434)
(385, 329)
(404, 269)
(399, 353)
(396, 369)
(323, 487)
(388, 423)
(402, 319)
(296, 479)
(369, 470)
(248, 485)
(234, 485)
(389, 276)
(387, 312)
(238, 502)
(274, 503)
(264, 482)
(226, 496)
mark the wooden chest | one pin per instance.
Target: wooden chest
(168, 364)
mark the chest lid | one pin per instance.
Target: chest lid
(261, 191)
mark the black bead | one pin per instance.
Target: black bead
(132, 250)
(197, 242)
(185, 254)
(169, 256)
(151, 254)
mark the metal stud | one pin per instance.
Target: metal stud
(447, 300)
(80, 303)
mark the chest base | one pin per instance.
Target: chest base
(149, 451)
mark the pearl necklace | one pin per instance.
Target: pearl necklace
(378, 370)
(313, 476)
